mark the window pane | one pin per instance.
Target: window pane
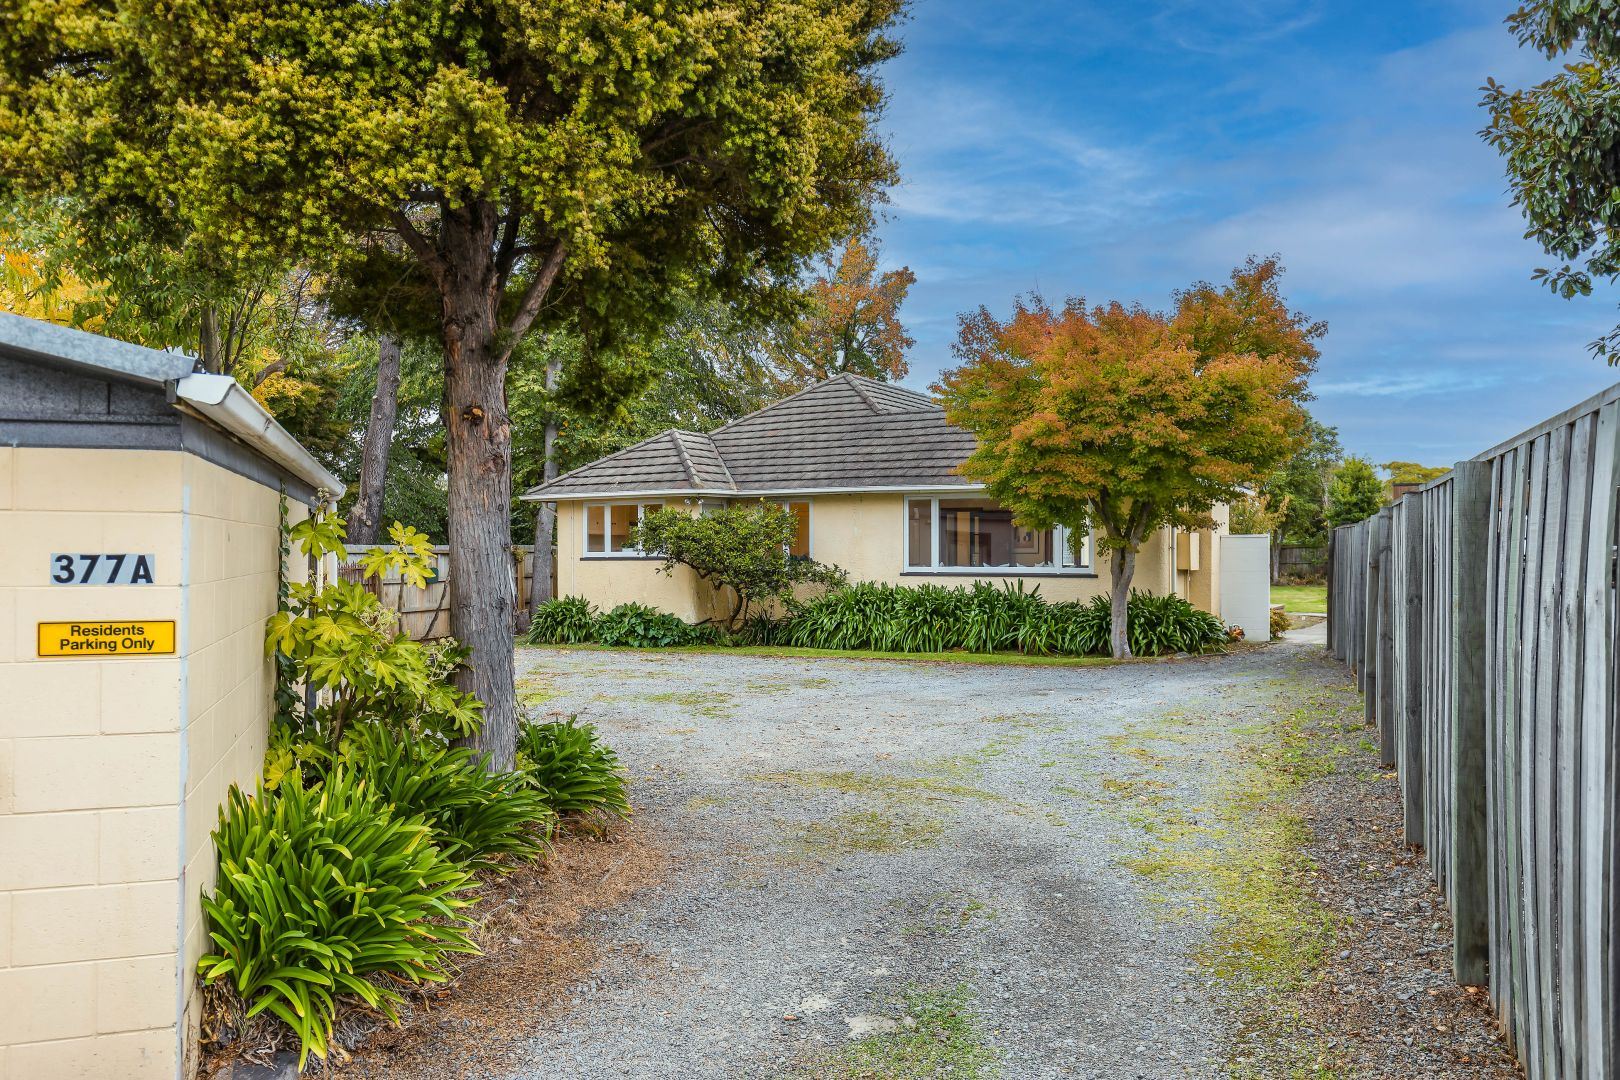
(978, 532)
(594, 518)
(919, 532)
(800, 547)
(1077, 549)
(623, 516)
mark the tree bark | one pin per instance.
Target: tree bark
(1122, 564)
(546, 521)
(365, 522)
(479, 442)
(208, 343)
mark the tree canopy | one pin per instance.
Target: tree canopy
(1129, 419)
(1410, 472)
(480, 168)
(1557, 138)
(1355, 493)
(851, 322)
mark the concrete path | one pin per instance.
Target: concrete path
(847, 832)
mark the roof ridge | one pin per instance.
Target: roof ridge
(855, 383)
(686, 458)
(767, 408)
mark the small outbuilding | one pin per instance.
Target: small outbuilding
(140, 506)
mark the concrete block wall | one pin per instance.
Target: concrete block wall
(231, 535)
(112, 768)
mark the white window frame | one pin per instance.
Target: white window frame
(585, 551)
(1060, 541)
(809, 518)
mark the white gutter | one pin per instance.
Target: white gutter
(752, 493)
(222, 400)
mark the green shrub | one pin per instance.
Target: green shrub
(742, 549)
(478, 818)
(1167, 624)
(988, 618)
(638, 626)
(319, 894)
(1280, 623)
(568, 620)
(572, 768)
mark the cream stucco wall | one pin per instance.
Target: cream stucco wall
(111, 768)
(865, 535)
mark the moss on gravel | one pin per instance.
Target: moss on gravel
(1240, 861)
(939, 1037)
(870, 832)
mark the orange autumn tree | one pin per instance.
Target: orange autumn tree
(1128, 420)
(853, 320)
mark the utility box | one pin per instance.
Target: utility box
(139, 553)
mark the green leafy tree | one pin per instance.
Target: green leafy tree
(1301, 485)
(741, 548)
(851, 320)
(1253, 515)
(1558, 140)
(1355, 494)
(1410, 472)
(493, 165)
(1129, 419)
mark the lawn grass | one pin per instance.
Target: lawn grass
(1300, 598)
(789, 652)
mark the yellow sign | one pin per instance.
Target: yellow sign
(145, 637)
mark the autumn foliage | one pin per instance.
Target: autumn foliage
(1130, 420)
(853, 322)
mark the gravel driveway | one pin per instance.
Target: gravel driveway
(847, 832)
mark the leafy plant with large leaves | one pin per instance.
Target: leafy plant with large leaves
(572, 768)
(339, 638)
(322, 893)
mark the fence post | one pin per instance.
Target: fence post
(1384, 710)
(1470, 552)
(1411, 673)
(1370, 619)
(1332, 554)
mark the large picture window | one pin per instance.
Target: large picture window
(965, 536)
(608, 525)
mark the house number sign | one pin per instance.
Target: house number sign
(102, 569)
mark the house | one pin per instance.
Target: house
(871, 472)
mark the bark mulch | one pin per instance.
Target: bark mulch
(1387, 1005)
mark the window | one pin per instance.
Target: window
(954, 535)
(799, 548)
(608, 525)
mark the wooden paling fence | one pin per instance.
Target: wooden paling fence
(1479, 616)
(424, 613)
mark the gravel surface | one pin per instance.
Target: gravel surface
(841, 831)
(827, 850)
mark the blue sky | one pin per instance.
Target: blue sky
(1121, 150)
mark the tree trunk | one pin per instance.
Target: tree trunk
(365, 522)
(208, 343)
(479, 441)
(1122, 563)
(546, 521)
